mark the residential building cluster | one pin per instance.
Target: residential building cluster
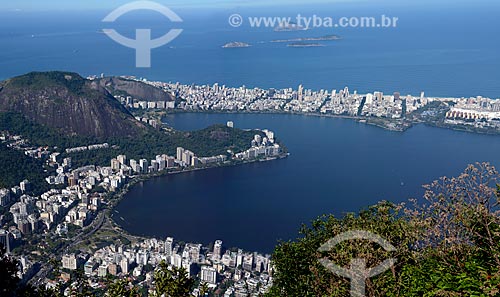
(134, 103)
(17, 142)
(241, 273)
(262, 147)
(301, 100)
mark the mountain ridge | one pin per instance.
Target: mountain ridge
(69, 103)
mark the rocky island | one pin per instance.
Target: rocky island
(236, 45)
(289, 27)
(322, 38)
(305, 44)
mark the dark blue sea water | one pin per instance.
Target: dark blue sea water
(443, 48)
(336, 166)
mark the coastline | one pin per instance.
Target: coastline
(360, 119)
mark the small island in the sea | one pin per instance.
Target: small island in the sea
(305, 44)
(289, 27)
(236, 45)
(322, 38)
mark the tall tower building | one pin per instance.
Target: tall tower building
(217, 250)
(5, 240)
(300, 93)
(169, 245)
(180, 152)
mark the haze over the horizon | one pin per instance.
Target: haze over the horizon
(36, 5)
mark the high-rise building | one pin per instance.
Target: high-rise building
(209, 275)
(133, 163)
(89, 267)
(248, 262)
(113, 269)
(217, 250)
(25, 186)
(187, 157)
(379, 96)
(162, 164)
(180, 153)
(257, 138)
(124, 265)
(169, 246)
(69, 262)
(67, 162)
(4, 197)
(170, 162)
(143, 163)
(115, 164)
(300, 93)
(5, 240)
(369, 99)
(239, 258)
(103, 270)
(122, 159)
(176, 260)
(346, 92)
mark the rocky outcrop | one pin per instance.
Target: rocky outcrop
(135, 89)
(69, 103)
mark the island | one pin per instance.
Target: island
(236, 45)
(289, 27)
(305, 44)
(305, 39)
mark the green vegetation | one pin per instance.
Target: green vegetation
(38, 134)
(215, 140)
(17, 167)
(449, 246)
(40, 80)
(172, 282)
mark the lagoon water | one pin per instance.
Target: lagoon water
(336, 166)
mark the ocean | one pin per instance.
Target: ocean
(442, 50)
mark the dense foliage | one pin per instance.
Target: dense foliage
(40, 80)
(16, 167)
(38, 134)
(214, 140)
(449, 246)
